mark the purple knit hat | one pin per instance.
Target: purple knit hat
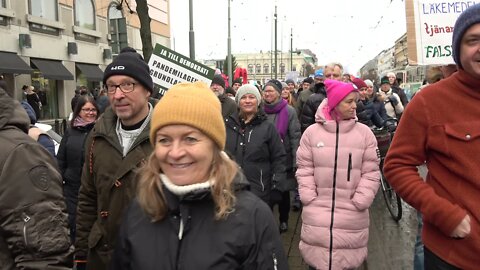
(337, 91)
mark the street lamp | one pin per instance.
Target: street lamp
(275, 18)
(191, 34)
(229, 42)
(291, 49)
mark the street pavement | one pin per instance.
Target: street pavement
(390, 246)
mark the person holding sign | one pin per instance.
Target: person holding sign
(441, 126)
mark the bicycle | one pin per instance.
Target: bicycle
(384, 137)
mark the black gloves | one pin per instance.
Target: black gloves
(393, 100)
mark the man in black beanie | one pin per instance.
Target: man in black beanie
(115, 148)
(440, 126)
(218, 87)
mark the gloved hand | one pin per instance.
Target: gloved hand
(393, 100)
(275, 196)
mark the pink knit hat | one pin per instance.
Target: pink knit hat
(337, 91)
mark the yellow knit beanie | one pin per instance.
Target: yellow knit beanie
(192, 104)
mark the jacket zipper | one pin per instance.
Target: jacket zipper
(180, 236)
(26, 219)
(330, 251)
(261, 180)
(349, 166)
(275, 262)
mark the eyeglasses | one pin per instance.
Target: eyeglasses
(89, 110)
(125, 87)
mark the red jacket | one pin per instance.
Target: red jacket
(441, 126)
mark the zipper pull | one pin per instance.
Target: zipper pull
(275, 263)
(25, 217)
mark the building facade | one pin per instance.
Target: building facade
(59, 45)
(261, 66)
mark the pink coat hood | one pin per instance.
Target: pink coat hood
(339, 180)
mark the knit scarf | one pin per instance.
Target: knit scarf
(279, 108)
(80, 122)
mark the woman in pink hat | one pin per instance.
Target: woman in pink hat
(338, 176)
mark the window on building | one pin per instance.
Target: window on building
(274, 68)
(47, 9)
(85, 14)
(3, 3)
(265, 68)
(114, 12)
(258, 69)
(294, 68)
(282, 68)
(250, 68)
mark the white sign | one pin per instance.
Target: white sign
(434, 22)
(168, 68)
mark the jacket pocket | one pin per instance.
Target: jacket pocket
(457, 135)
(43, 229)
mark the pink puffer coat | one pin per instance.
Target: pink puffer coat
(342, 176)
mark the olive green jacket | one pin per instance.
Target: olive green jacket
(108, 186)
(33, 217)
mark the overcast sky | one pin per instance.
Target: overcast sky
(347, 31)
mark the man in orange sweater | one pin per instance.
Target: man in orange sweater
(441, 126)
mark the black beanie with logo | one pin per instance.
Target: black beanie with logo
(130, 63)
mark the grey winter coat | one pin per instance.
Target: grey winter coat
(290, 143)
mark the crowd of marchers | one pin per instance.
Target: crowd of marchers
(190, 180)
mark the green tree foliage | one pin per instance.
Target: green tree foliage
(225, 65)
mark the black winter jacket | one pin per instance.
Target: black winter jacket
(247, 239)
(379, 107)
(307, 116)
(71, 154)
(70, 158)
(257, 148)
(367, 114)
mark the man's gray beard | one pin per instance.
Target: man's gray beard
(220, 92)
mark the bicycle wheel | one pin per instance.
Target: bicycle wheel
(393, 201)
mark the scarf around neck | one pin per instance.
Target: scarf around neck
(281, 123)
(80, 122)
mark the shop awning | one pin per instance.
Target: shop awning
(51, 69)
(91, 72)
(12, 63)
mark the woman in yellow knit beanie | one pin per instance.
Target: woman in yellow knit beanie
(190, 194)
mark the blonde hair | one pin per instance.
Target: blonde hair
(291, 100)
(150, 188)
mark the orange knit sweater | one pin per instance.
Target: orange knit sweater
(442, 127)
